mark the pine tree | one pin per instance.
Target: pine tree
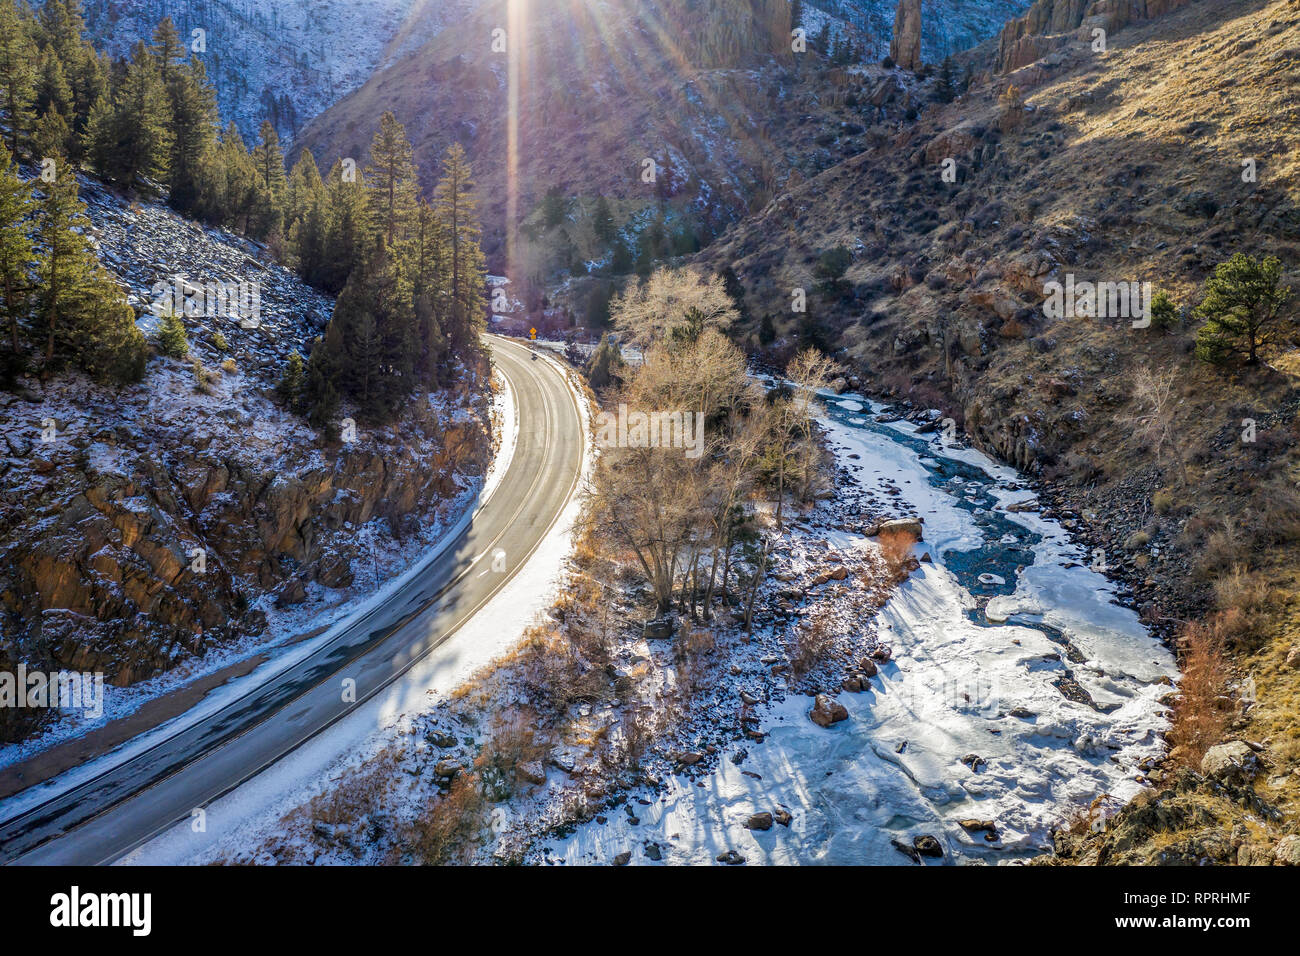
(272, 184)
(347, 230)
(83, 308)
(292, 382)
(52, 137)
(17, 71)
(456, 206)
(131, 142)
(605, 365)
(194, 124)
(391, 178)
(173, 341)
(602, 221)
(16, 251)
(944, 90)
(1243, 306)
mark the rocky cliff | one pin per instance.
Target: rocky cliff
(1049, 24)
(905, 44)
(144, 525)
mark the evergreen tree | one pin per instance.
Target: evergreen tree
(17, 71)
(173, 341)
(131, 142)
(944, 90)
(82, 307)
(272, 184)
(602, 221)
(347, 230)
(194, 123)
(52, 137)
(605, 366)
(16, 251)
(392, 182)
(292, 382)
(456, 208)
(371, 337)
(1242, 308)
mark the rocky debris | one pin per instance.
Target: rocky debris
(759, 821)
(912, 526)
(659, 628)
(1182, 822)
(623, 859)
(987, 827)
(731, 858)
(782, 817)
(446, 769)
(1287, 851)
(927, 845)
(532, 771)
(905, 43)
(827, 710)
(975, 762)
(1233, 760)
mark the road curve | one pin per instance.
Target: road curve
(106, 817)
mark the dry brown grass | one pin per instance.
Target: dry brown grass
(896, 548)
(1200, 715)
(449, 828)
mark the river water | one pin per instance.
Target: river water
(1021, 690)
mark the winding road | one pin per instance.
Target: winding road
(106, 817)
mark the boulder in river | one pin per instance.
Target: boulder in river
(827, 710)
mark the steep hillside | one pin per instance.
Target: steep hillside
(1153, 161)
(110, 495)
(283, 60)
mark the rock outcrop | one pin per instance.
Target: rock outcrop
(1050, 24)
(905, 44)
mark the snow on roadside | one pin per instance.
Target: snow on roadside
(254, 809)
(324, 615)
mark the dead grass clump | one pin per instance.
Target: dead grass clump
(813, 639)
(1199, 717)
(1244, 600)
(896, 548)
(451, 825)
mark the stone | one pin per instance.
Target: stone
(446, 769)
(927, 845)
(1233, 760)
(905, 44)
(532, 771)
(659, 628)
(826, 711)
(759, 821)
(1287, 851)
(623, 859)
(782, 817)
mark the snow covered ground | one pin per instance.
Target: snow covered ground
(1017, 725)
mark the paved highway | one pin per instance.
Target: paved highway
(106, 817)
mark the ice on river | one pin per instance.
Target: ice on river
(966, 723)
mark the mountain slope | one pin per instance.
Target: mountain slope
(286, 60)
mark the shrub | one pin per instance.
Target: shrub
(1162, 502)
(1199, 718)
(172, 340)
(896, 548)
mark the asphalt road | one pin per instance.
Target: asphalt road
(106, 817)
